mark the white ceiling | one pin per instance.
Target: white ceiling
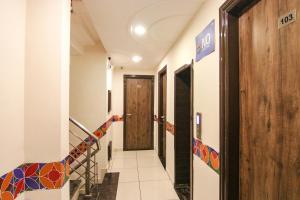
(164, 19)
(83, 33)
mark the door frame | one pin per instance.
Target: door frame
(163, 71)
(229, 14)
(125, 77)
(181, 69)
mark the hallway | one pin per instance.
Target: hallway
(141, 173)
(150, 100)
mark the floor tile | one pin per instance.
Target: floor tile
(142, 176)
(152, 173)
(128, 191)
(147, 153)
(158, 190)
(124, 163)
(124, 154)
(127, 175)
(144, 162)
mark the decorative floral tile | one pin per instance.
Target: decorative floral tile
(170, 128)
(204, 152)
(117, 118)
(101, 131)
(31, 172)
(19, 180)
(207, 155)
(7, 186)
(52, 175)
(35, 176)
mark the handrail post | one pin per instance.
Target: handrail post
(87, 172)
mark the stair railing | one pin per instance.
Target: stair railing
(84, 164)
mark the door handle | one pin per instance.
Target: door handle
(128, 114)
(162, 119)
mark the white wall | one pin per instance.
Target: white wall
(47, 80)
(206, 96)
(117, 100)
(46, 86)
(88, 94)
(12, 57)
(88, 87)
(34, 85)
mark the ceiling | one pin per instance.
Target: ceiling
(83, 33)
(113, 21)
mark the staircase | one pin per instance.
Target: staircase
(84, 167)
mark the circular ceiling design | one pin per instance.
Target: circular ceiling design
(164, 21)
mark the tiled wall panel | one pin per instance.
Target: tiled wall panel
(47, 176)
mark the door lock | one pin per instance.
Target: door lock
(162, 118)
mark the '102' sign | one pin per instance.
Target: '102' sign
(205, 42)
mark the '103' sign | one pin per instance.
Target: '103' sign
(205, 42)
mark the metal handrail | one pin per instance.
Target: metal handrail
(80, 163)
(83, 154)
(79, 138)
(90, 166)
(87, 172)
(82, 175)
(84, 129)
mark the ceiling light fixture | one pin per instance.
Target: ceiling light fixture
(137, 59)
(139, 30)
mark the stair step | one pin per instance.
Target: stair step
(183, 191)
(108, 189)
(105, 191)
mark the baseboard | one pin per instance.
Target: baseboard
(168, 172)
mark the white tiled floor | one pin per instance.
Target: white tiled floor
(142, 176)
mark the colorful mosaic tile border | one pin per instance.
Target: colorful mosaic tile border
(169, 126)
(204, 152)
(99, 133)
(47, 176)
(34, 176)
(207, 155)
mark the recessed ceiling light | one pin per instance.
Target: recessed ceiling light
(137, 59)
(139, 30)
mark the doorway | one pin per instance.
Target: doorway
(260, 98)
(183, 102)
(138, 112)
(162, 115)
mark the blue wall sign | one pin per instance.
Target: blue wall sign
(205, 42)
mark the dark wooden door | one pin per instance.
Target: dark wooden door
(138, 112)
(183, 131)
(162, 112)
(269, 103)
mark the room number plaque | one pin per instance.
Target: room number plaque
(287, 19)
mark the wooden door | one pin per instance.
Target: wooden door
(162, 113)
(183, 132)
(269, 103)
(138, 112)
